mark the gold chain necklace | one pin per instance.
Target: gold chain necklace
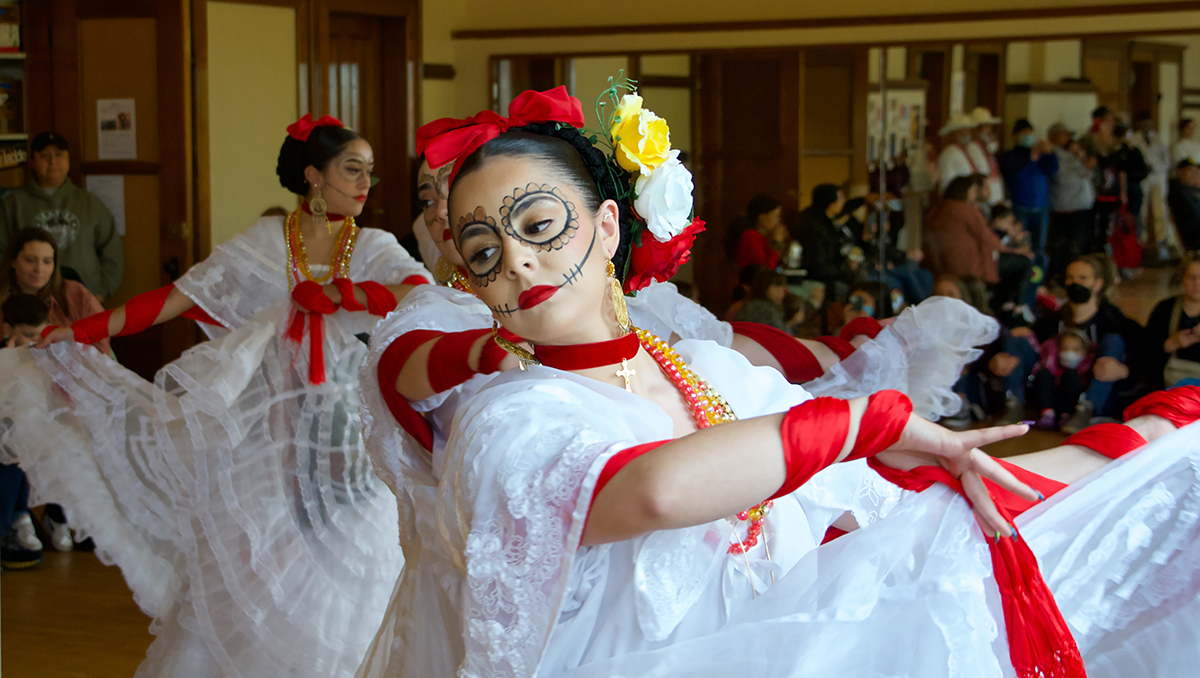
(339, 261)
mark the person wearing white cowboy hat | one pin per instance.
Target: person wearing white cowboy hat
(983, 152)
(955, 160)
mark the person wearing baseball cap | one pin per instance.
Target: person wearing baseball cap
(88, 243)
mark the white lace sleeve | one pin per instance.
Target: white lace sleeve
(242, 276)
(520, 469)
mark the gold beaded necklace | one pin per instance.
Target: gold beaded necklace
(339, 261)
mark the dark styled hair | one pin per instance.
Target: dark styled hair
(1021, 125)
(1184, 122)
(1000, 211)
(24, 309)
(570, 155)
(9, 285)
(764, 279)
(760, 205)
(41, 141)
(959, 188)
(323, 145)
(824, 195)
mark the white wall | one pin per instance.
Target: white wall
(252, 98)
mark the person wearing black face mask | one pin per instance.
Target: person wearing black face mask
(1116, 338)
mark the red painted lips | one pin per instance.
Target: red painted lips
(360, 198)
(534, 296)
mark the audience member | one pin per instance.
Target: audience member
(1154, 187)
(829, 248)
(1027, 168)
(1186, 147)
(796, 314)
(958, 240)
(983, 154)
(1061, 377)
(1184, 201)
(954, 161)
(1114, 339)
(902, 270)
(1014, 294)
(31, 265)
(82, 226)
(1072, 196)
(757, 228)
(764, 305)
(1118, 166)
(1173, 331)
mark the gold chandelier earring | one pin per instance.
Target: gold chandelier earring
(319, 211)
(524, 358)
(618, 299)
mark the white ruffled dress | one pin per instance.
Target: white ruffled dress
(234, 495)
(937, 336)
(496, 583)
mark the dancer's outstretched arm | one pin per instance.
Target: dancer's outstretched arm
(145, 310)
(1072, 463)
(721, 470)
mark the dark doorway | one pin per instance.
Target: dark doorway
(988, 83)
(1143, 95)
(933, 71)
(749, 144)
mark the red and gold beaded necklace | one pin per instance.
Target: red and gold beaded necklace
(339, 262)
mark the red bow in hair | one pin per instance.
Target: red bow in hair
(302, 128)
(451, 140)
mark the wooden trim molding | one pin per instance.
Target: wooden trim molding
(830, 22)
(679, 81)
(1019, 88)
(908, 85)
(438, 71)
(119, 167)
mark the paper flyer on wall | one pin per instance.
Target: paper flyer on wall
(117, 137)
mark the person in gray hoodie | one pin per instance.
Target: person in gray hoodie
(87, 237)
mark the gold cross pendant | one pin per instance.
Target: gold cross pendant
(625, 373)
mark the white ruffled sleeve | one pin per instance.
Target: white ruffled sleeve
(379, 256)
(661, 310)
(242, 276)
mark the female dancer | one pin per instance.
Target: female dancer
(661, 584)
(234, 492)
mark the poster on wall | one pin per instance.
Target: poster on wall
(117, 137)
(110, 189)
(905, 124)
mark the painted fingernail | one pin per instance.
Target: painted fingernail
(1028, 422)
(1041, 497)
(997, 536)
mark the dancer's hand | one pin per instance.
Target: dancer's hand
(56, 335)
(924, 443)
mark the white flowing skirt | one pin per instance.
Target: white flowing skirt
(913, 594)
(235, 497)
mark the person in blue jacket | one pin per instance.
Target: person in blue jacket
(1027, 168)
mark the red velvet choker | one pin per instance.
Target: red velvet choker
(328, 215)
(586, 356)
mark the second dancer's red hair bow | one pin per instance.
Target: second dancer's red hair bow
(451, 139)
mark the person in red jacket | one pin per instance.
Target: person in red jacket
(958, 240)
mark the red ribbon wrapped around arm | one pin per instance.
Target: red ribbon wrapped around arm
(1039, 641)
(390, 364)
(860, 326)
(882, 423)
(813, 434)
(449, 363)
(346, 288)
(311, 297)
(1111, 440)
(140, 313)
(451, 140)
(380, 300)
(840, 346)
(1179, 405)
(414, 280)
(798, 363)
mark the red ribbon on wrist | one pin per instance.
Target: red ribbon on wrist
(1111, 440)
(882, 423)
(391, 363)
(449, 359)
(47, 330)
(380, 300)
(840, 346)
(1039, 641)
(346, 288)
(1179, 405)
(813, 434)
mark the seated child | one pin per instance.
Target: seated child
(1061, 376)
(25, 316)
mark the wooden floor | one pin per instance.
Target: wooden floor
(75, 618)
